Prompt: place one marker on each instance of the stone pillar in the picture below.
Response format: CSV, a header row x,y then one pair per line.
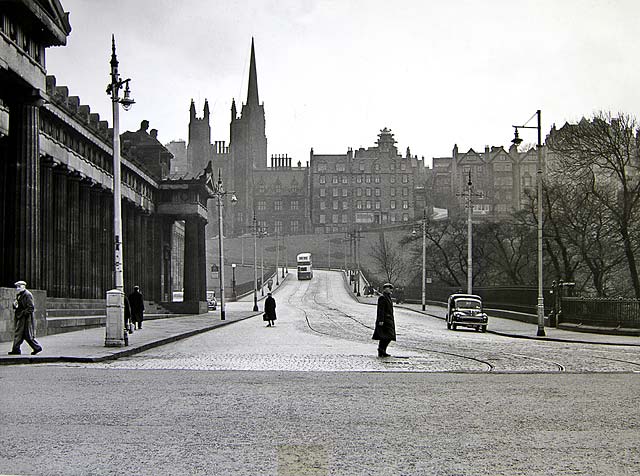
x,y
24,124
194,260
60,285
84,241
107,279
139,252
95,251
47,236
73,237
165,227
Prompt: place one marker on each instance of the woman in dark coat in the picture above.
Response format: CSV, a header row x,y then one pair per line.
x,y
136,301
269,310
385,330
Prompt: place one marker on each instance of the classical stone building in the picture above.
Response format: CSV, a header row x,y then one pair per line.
x,y
56,182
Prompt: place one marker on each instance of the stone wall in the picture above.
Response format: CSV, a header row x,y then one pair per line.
x,y
7,296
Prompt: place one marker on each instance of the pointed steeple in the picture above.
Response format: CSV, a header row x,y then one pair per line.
x,y
206,109
234,112
192,110
252,93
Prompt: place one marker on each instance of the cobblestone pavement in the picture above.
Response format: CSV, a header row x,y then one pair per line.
x,y
321,328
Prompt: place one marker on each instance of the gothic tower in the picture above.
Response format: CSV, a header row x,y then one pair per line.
x,y
247,147
199,148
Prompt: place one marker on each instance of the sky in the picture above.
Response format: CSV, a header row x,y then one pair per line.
x,y
333,73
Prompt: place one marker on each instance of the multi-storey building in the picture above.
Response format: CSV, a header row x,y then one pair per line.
x,y
499,179
368,187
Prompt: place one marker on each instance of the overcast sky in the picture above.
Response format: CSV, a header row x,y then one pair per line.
x,y
332,73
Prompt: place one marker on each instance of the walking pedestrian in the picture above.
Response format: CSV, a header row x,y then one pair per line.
x,y
24,320
128,326
136,301
270,310
385,330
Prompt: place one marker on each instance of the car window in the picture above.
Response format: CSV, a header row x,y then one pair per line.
x,y
467,304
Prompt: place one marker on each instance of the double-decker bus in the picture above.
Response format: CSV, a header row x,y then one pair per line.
x,y
305,267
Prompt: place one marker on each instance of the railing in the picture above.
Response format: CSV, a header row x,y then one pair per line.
x,y
601,312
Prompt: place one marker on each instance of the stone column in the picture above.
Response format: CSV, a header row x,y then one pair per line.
x,y
24,124
138,257
60,232
47,236
73,238
194,284
95,251
107,279
84,240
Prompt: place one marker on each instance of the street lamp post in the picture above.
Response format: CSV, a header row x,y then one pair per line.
x,y
233,282
255,263
277,258
115,333
219,193
423,226
469,238
263,234
517,141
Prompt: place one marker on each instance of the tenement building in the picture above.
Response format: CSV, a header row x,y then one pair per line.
x,y
56,182
500,179
369,187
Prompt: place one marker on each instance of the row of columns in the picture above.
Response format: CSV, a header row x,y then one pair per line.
x,y
56,227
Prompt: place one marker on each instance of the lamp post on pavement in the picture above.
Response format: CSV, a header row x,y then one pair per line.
x,y
115,333
255,263
277,258
263,234
233,282
517,141
219,193
423,226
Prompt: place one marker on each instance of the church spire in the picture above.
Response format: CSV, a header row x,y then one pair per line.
x,y
206,109
234,113
192,110
252,93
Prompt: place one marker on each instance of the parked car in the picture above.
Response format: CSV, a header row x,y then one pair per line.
x,y
466,310
212,302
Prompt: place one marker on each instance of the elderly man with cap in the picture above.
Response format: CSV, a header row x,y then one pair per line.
x,y
385,330
24,320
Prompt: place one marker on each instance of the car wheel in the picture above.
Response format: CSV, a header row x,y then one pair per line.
x,y
453,326
448,325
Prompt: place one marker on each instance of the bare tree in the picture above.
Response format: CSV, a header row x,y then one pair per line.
x,y
389,260
602,154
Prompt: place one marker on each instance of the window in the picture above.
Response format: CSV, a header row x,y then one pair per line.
x,y
361,166
261,188
376,179
322,167
405,217
345,205
359,204
405,204
392,167
344,218
377,192
322,218
405,179
277,205
405,192
294,188
377,204
335,192
392,205
295,226
335,179
359,179
323,205
323,192
277,227
262,205
368,204
367,178
278,188
376,167
345,179
368,192
392,179
344,192
336,204
393,192
295,205
358,192
340,167
322,179
335,218
403,166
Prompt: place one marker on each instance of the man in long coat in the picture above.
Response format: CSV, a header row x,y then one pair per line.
x,y
270,310
24,321
385,330
136,302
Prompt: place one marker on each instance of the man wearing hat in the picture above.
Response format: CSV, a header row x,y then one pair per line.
x,y
24,320
385,330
